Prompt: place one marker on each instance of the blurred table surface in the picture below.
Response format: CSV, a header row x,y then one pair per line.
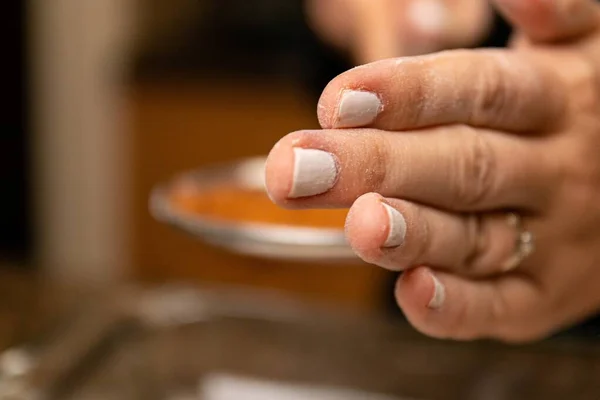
x,y
28,303
302,345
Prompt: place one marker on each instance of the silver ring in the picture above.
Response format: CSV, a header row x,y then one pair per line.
x,y
524,245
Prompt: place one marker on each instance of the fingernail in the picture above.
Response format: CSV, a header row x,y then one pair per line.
x,y
428,16
397,228
439,294
357,108
315,172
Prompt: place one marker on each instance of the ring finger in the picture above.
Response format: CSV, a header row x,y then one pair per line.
x,y
399,235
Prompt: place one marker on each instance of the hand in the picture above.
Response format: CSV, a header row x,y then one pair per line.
x,y
448,143
372,30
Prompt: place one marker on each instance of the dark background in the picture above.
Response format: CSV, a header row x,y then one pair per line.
x,y
15,219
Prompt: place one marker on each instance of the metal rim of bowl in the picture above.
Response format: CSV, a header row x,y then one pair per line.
x,y
254,239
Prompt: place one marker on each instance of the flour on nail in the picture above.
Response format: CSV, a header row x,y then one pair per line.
x,y
357,108
439,294
397,227
315,172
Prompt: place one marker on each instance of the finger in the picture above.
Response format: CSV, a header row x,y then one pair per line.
x,y
398,235
471,21
330,20
484,88
376,33
443,24
456,168
428,25
550,21
447,306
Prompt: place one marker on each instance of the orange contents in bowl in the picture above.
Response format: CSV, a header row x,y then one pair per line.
x,y
235,204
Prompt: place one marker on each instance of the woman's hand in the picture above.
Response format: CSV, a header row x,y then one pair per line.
x,y
447,145
372,30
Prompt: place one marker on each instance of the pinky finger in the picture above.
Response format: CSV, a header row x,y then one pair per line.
x,y
447,306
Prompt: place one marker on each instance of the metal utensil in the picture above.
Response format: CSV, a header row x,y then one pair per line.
x,y
254,239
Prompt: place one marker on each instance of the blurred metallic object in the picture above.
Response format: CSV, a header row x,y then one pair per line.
x,y
221,387
260,240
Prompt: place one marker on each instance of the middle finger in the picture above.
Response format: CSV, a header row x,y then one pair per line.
x,y
456,168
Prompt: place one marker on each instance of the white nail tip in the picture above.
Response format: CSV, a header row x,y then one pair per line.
x,y
439,294
315,172
428,16
397,228
357,108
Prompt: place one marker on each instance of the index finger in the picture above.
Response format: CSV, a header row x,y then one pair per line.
x,y
483,88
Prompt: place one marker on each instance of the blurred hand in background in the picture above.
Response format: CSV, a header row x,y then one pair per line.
x,y
372,30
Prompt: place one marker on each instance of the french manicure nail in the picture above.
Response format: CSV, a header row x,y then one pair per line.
x,y
315,172
397,227
439,293
357,108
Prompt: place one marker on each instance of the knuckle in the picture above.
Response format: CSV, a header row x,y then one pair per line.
x,y
476,170
375,176
496,318
498,309
579,178
422,237
585,200
492,95
419,97
500,324
462,326
585,165
584,78
477,243
516,326
510,324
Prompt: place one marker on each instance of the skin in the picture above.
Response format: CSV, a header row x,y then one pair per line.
x,y
464,136
372,30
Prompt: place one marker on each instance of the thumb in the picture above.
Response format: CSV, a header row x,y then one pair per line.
x,y
375,31
552,20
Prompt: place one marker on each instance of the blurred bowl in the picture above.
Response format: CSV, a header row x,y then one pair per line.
x,y
266,240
